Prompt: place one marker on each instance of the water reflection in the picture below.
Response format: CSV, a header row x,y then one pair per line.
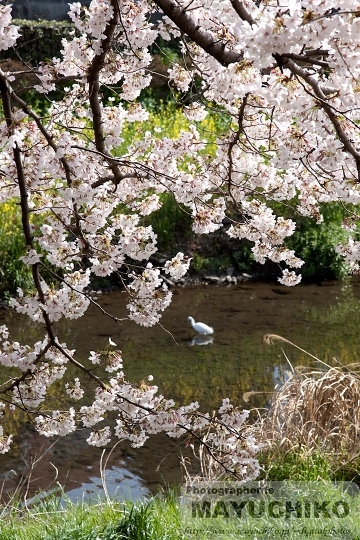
x,y
321,319
281,375
119,483
201,340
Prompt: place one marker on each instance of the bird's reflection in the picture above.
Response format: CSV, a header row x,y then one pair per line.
x,y
201,340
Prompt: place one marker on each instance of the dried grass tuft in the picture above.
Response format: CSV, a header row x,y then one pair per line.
x,y
315,410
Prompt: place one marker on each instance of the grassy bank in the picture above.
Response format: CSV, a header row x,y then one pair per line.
x,y
52,519
162,519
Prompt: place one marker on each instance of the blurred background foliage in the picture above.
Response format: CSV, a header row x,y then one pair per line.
x,y
13,273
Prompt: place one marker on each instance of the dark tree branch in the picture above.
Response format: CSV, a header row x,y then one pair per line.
x,y
206,41
106,179
316,52
242,11
93,78
322,98
306,58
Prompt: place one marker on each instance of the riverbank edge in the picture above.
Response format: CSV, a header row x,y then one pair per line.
x,y
225,279
228,279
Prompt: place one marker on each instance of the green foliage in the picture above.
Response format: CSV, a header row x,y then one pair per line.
x,y
200,263
171,223
169,51
40,103
213,264
13,273
243,258
315,243
216,252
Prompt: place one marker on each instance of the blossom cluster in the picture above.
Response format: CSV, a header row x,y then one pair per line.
x,y
285,76
149,296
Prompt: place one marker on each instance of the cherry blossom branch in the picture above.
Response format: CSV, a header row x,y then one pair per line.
x,y
117,320
203,443
15,383
323,101
24,106
79,365
24,201
94,89
242,11
146,169
206,41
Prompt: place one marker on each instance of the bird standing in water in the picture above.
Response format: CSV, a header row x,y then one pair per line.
x,y
201,328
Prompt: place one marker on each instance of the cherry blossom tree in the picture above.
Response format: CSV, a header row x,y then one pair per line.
x,y
286,74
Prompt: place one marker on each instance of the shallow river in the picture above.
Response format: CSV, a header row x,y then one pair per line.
x,y
322,319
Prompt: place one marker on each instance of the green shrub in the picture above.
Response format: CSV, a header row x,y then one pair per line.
x,y
315,244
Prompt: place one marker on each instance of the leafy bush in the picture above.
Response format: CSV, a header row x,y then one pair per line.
x,y
315,244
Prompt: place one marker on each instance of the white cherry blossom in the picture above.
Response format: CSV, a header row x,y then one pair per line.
x,y
285,78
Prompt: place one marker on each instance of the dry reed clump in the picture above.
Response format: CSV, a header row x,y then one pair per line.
x,y
315,410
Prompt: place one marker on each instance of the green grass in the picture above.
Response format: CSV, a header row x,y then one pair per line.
x,y
157,518
51,519
296,465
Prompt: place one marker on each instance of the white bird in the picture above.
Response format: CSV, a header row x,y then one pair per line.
x,y
201,328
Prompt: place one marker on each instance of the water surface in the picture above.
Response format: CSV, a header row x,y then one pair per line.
x,y
322,319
